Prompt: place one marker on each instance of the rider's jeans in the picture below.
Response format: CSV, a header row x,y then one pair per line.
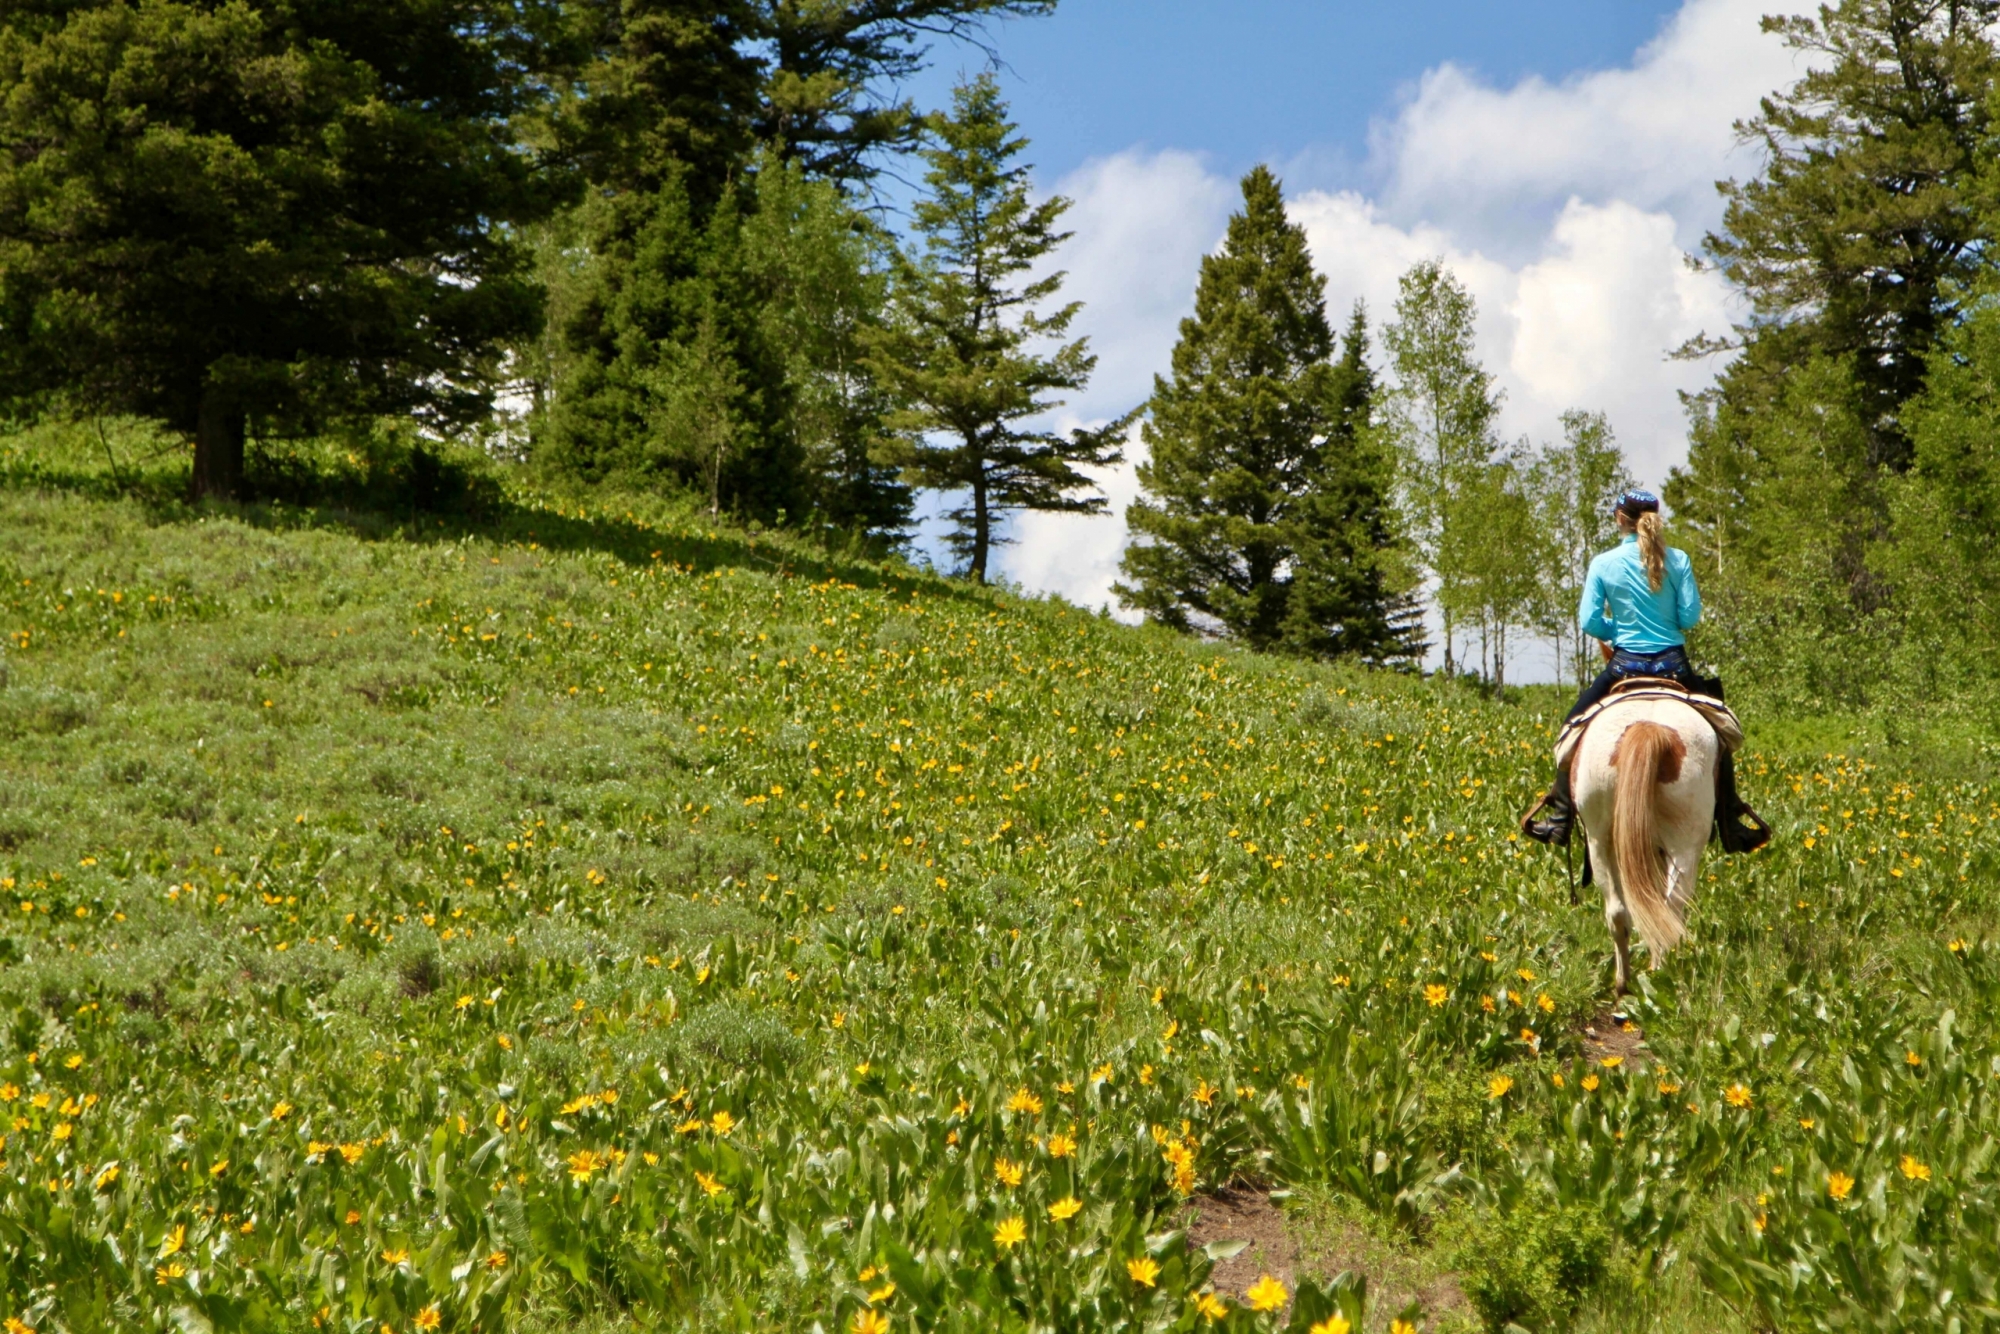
x,y
1672,663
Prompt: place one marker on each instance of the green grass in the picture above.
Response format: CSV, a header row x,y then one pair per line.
x,y
354,861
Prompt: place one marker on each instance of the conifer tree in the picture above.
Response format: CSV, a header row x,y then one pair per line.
x,y
1351,580
830,61
962,349
265,213
1264,515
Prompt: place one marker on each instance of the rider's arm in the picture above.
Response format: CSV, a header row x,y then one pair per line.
x,y
1590,612
1687,599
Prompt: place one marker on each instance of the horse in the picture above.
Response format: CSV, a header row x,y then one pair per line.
x,y
1644,777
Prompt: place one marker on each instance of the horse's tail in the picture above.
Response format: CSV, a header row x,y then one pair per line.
x,y
1648,755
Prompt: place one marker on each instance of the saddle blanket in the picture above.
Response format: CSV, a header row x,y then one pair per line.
x,y
1728,730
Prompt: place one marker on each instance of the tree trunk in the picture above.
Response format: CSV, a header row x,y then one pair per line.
x,y
218,447
982,527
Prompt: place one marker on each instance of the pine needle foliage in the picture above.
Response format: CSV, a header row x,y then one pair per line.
x,y
964,348
1265,513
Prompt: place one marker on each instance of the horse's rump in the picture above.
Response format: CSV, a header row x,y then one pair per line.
x,y
1644,777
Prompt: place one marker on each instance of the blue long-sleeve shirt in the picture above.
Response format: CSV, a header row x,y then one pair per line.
x,y
1621,607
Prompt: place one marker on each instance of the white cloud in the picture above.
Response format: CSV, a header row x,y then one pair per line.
x,y
1657,134
1565,208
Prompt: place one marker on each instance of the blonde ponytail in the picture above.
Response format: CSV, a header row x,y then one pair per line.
x,y
1652,548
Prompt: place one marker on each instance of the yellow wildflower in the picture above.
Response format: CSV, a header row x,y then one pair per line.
x,y
1145,1271
1007,1171
1333,1324
1499,1086
1736,1096
1435,994
1024,1101
1914,1170
1065,1209
1011,1232
1839,1185
1267,1294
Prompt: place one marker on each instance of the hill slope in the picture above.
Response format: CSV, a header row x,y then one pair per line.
x,y
574,913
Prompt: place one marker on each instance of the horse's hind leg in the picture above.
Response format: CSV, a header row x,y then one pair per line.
x,y
1620,924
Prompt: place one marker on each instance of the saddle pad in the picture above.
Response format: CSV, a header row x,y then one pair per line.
x,y
1728,731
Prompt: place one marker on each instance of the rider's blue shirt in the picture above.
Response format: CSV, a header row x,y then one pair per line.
x,y
1621,607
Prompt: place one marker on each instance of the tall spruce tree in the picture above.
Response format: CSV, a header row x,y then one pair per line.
x,y
962,350
825,101
264,211
1264,515
1351,580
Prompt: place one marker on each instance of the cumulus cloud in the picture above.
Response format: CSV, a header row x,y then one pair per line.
x,y
1656,134
1566,208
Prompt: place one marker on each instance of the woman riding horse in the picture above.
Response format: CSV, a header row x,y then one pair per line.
x,y
1640,599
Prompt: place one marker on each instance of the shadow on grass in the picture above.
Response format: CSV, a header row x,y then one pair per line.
x,y
462,499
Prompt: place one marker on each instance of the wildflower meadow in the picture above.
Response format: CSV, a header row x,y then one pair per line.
x,y
610,919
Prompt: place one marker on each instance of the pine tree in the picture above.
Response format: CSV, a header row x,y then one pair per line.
x,y
1265,513
961,350
1351,585
1857,236
263,213
1439,419
821,102
823,270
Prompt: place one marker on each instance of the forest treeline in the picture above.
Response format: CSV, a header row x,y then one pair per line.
x,y
644,243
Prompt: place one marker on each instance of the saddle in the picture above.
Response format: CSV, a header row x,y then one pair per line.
x,y
1728,731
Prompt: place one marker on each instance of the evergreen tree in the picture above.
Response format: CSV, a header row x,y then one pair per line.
x,y
660,270
263,210
1855,239
1351,593
961,349
1264,514
1234,437
821,101
659,93
823,272
1439,418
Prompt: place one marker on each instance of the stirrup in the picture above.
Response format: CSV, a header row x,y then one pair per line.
x,y
1736,836
1553,830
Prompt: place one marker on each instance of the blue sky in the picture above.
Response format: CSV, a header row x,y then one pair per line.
x,y
1293,82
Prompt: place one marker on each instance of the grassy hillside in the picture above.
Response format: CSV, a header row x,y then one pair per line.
x,y
609,919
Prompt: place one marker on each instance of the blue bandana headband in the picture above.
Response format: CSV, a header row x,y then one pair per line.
x,y
1636,501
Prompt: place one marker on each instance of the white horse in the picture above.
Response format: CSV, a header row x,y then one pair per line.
x,y
1644,777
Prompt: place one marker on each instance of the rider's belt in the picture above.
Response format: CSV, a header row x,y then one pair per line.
x,y
1728,731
